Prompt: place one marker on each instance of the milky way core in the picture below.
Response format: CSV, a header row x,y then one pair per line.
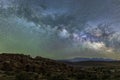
x,y
61,29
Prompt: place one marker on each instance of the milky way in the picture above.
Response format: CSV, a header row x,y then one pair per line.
x,y
60,28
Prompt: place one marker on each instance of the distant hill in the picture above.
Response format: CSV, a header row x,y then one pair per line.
x,y
91,62
87,59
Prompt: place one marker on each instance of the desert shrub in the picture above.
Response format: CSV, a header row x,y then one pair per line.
x,y
57,77
6,66
22,76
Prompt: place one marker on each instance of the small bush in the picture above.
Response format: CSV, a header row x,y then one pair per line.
x,y
22,76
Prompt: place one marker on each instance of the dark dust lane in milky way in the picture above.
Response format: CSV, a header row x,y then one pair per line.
x,y
61,28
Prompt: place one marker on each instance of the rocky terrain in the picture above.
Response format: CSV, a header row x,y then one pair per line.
x,y
24,67
44,69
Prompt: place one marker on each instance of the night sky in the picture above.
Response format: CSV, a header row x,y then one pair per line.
x,y
61,29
